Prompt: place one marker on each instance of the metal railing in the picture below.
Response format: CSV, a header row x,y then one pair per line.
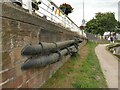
x,y
52,12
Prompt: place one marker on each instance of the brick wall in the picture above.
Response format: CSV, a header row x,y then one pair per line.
x,y
19,28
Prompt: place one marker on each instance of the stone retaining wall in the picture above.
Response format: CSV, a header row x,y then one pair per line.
x,y
19,28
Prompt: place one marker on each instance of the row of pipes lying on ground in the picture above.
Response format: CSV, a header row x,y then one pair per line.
x,y
44,53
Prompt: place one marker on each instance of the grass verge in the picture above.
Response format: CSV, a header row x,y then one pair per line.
x,y
81,71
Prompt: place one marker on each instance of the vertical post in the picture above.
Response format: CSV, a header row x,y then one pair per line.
x,y
51,16
49,3
83,21
82,32
30,6
69,23
65,20
83,9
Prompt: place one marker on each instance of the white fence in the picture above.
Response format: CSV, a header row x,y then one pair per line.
x,y
51,11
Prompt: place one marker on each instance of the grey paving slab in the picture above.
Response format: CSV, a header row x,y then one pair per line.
x,y
109,65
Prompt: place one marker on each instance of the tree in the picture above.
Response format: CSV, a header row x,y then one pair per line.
x,y
118,25
66,8
102,22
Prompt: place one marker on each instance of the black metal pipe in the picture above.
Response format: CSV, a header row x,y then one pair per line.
x,y
45,60
47,47
37,49
65,43
31,50
73,49
42,61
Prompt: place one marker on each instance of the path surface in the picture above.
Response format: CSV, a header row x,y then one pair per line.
x,y
109,65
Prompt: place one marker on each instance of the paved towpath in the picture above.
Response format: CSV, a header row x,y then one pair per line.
x,y
109,65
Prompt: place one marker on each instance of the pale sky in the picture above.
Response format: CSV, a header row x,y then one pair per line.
x,y
91,7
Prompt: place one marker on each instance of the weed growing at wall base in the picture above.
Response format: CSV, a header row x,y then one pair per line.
x,y
90,74
81,71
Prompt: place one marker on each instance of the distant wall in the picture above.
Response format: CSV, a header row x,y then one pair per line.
x,y
96,38
118,37
19,28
